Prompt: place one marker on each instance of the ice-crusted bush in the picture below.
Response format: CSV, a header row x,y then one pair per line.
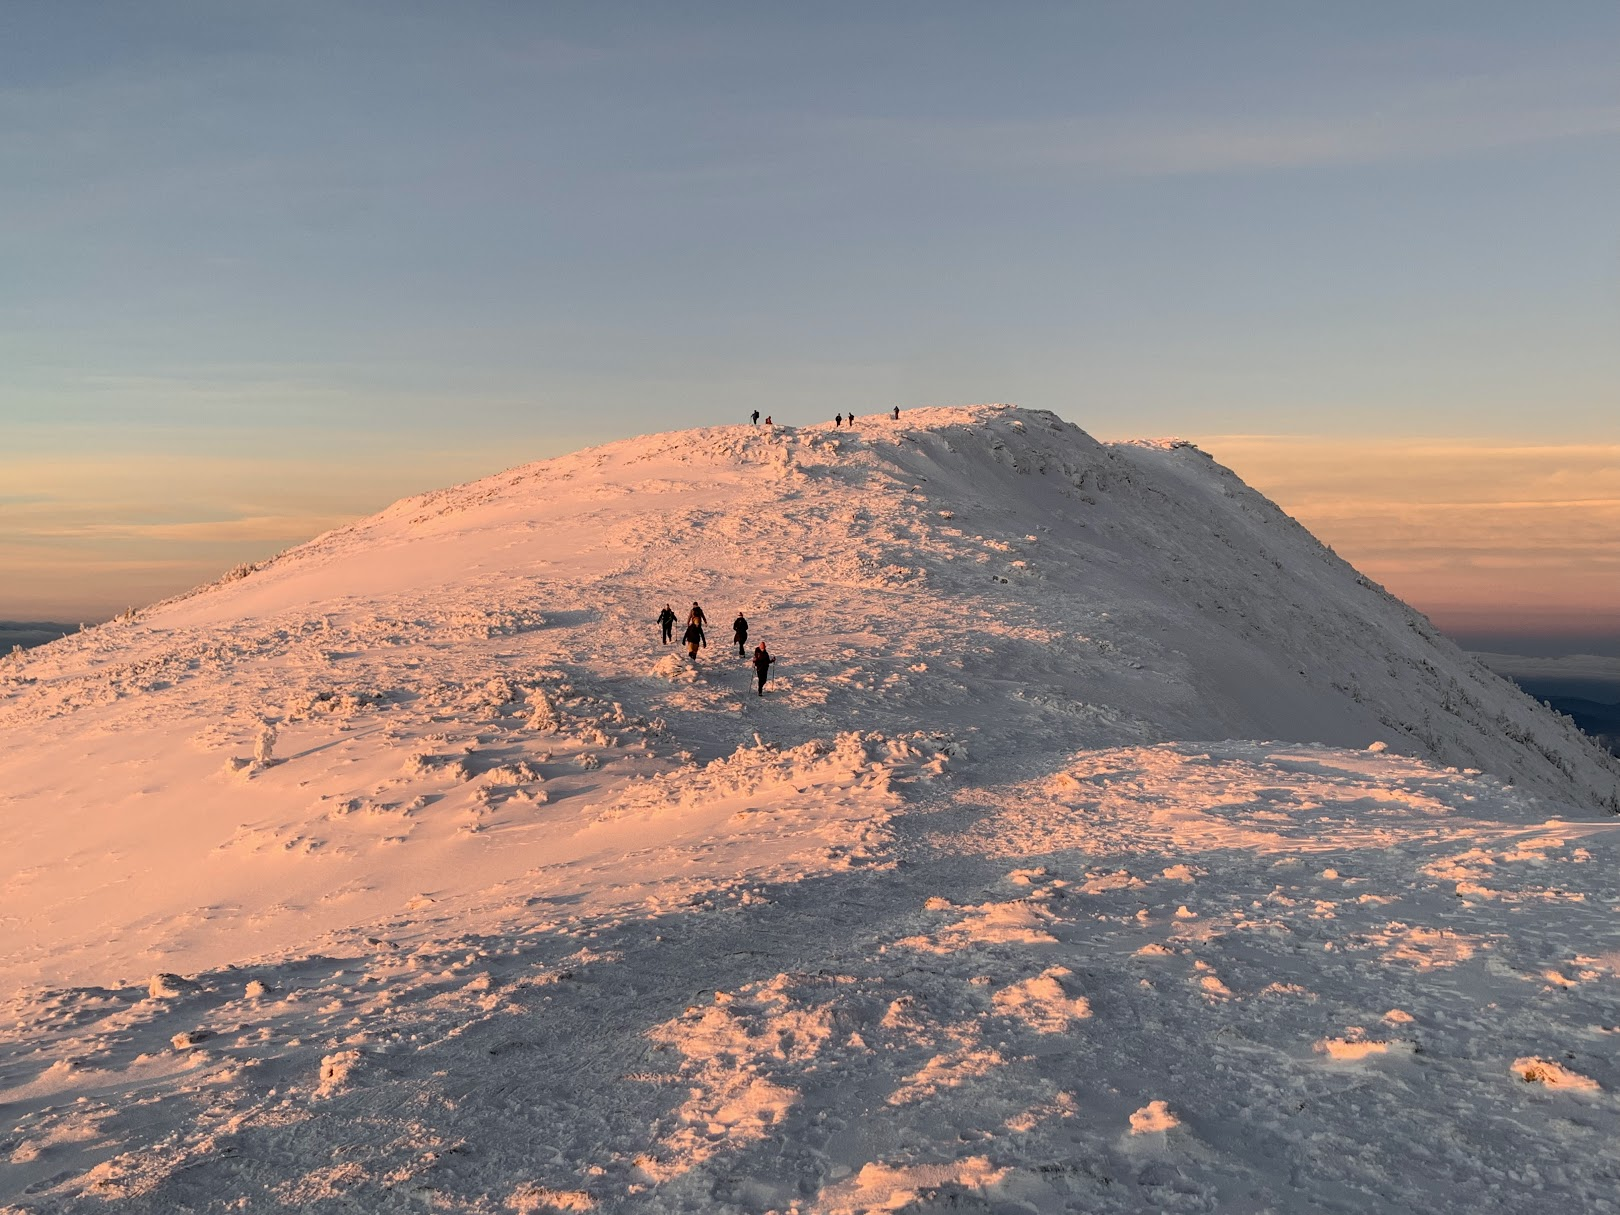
x,y
337,704
264,747
498,692
542,714
519,772
425,763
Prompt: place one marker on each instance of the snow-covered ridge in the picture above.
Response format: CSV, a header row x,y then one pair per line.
x,y
1140,590
1072,750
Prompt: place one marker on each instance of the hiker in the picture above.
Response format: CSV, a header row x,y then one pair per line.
x,y
897,413
693,638
838,419
755,416
739,633
696,616
666,621
762,666
767,419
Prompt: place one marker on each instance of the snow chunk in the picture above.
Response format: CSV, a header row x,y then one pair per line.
x,y
166,986
1153,1117
533,1199
1015,923
675,669
1533,1070
336,1071
1352,1050
885,1187
1041,1003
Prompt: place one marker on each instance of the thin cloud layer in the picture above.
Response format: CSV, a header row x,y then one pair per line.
x,y
1454,526
1180,145
91,534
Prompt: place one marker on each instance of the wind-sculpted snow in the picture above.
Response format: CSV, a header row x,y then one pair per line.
x,y
409,871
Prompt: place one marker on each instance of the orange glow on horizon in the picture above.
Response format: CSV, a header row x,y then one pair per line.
x,y
1477,535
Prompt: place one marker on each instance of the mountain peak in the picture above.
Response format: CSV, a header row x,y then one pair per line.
x,y
420,835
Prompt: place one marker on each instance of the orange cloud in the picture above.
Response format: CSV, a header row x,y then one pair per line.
x,y
1493,532
88,534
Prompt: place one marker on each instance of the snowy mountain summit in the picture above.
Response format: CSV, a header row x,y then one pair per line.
x,y
1100,841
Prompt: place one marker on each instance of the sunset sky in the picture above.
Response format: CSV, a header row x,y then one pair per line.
x,y
271,265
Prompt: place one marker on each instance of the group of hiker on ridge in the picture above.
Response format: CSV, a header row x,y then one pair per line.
x,y
838,418
694,637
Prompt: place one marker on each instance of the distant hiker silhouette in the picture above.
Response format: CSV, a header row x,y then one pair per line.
x,y
756,417
897,413
696,616
693,637
739,632
767,419
762,666
838,419
666,621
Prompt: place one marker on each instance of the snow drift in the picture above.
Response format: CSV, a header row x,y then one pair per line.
x,y
1101,839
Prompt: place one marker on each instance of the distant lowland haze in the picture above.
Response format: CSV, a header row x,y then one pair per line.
x,y
27,633
272,267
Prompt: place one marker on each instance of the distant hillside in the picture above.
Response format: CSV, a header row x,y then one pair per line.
x,y
1601,721
1585,687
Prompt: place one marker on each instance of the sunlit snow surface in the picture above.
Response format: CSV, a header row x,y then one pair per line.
x,y
411,872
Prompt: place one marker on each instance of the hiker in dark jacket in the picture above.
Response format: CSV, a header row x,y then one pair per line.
x,y
739,633
666,621
693,638
762,666
696,616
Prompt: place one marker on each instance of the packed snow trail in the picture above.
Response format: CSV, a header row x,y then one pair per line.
x,y
412,869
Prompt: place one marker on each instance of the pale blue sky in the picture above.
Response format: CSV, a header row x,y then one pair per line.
x,y
372,248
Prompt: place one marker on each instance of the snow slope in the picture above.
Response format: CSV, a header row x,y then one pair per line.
x,y
1052,872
